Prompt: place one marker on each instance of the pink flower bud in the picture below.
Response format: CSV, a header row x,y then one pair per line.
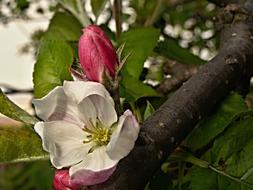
x,y
96,54
62,181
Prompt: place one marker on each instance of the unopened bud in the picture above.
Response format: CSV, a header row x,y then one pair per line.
x,y
96,54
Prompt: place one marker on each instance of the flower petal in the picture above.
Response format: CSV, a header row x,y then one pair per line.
x,y
88,177
56,106
79,90
64,142
123,138
62,181
100,100
95,161
105,112
87,111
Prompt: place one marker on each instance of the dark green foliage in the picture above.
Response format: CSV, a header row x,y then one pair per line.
x,y
230,109
28,176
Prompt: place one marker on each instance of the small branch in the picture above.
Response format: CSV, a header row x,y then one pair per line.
x,y
117,10
114,92
150,21
11,90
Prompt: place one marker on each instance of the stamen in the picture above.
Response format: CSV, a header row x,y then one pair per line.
x,y
99,134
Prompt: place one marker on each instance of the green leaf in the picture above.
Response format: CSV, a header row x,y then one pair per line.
x,y
52,66
231,155
98,6
203,179
135,40
230,109
133,89
149,110
19,144
240,164
139,42
69,3
76,8
11,110
237,136
63,26
171,49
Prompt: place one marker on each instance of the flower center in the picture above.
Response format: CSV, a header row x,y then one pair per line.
x,y
98,134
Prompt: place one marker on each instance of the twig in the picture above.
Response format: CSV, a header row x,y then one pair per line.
x,y
117,9
11,90
150,21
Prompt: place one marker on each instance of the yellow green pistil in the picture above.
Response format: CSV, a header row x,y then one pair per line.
x,y
98,134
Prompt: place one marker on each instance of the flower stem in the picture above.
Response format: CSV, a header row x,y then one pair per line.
x,y
113,89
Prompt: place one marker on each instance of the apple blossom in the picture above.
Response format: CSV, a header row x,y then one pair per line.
x,y
96,54
81,131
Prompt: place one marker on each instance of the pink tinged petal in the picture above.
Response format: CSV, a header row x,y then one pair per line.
x,y
62,181
56,106
90,59
107,58
88,177
63,141
96,161
97,30
123,138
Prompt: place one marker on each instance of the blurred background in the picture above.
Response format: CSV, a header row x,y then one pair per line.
x,y
18,22
189,25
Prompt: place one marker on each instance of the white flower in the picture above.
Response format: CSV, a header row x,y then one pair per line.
x,y
81,131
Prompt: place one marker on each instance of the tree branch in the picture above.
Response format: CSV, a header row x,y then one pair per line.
x,y
179,72
172,122
246,4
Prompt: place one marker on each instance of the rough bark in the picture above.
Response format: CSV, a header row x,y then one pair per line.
x,y
170,124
